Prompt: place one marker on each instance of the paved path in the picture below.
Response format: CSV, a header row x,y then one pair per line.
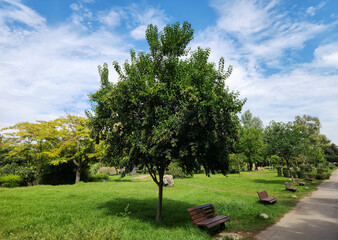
x,y
314,217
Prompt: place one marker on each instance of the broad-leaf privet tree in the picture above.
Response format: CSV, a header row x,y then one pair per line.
x,y
167,105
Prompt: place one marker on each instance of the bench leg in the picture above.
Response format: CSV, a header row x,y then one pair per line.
x,y
222,225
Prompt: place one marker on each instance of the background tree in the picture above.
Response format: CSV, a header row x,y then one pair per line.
x,y
313,147
76,144
249,121
331,152
33,145
284,140
44,143
251,145
167,106
274,160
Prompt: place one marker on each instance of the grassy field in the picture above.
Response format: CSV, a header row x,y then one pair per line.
x,y
125,208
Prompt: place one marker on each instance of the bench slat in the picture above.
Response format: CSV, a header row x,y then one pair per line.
x,y
199,207
210,213
205,215
211,222
201,210
263,196
197,221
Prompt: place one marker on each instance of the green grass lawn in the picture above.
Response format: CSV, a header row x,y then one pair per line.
x,y
125,208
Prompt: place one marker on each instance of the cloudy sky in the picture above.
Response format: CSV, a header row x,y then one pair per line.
x,y
284,53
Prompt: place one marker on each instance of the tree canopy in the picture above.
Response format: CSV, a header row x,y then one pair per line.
x,y
38,145
168,105
285,140
249,121
251,145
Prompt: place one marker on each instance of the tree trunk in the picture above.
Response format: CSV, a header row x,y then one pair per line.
x,y
78,175
160,196
291,175
250,165
78,171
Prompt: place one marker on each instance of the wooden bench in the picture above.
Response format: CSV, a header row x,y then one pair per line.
x,y
299,182
263,196
288,187
205,216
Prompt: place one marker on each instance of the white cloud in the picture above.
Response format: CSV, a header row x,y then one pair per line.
x,y
17,12
252,35
139,32
327,55
45,71
312,10
243,17
142,18
112,18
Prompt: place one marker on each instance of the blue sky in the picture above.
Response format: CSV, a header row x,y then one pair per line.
x,y
284,53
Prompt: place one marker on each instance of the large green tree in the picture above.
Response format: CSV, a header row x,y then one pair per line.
x,y
168,105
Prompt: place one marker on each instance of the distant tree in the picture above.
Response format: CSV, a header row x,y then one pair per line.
x,y
251,145
76,145
167,106
331,152
52,143
308,124
274,160
249,121
316,143
33,144
284,140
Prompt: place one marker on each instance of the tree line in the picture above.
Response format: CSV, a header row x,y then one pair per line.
x,y
292,144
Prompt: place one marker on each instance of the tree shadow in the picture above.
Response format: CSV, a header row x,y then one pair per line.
x,y
264,181
120,180
174,213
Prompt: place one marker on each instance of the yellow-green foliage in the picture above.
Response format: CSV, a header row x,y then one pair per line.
x,y
10,180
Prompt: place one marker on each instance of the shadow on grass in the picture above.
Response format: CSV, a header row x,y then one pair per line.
x,y
264,181
120,180
174,213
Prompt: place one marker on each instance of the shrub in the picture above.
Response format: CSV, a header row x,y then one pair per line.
x,y
11,180
294,172
59,174
286,172
94,169
99,178
176,171
27,173
323,175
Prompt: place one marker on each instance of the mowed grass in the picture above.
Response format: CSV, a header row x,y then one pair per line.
x,y
125,208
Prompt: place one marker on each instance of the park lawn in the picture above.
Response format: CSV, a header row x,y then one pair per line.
x,y
125,208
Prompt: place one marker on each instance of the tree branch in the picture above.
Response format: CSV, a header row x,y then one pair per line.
x,y
76,163
152,173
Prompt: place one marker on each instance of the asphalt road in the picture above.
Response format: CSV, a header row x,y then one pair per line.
x,y
315,217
